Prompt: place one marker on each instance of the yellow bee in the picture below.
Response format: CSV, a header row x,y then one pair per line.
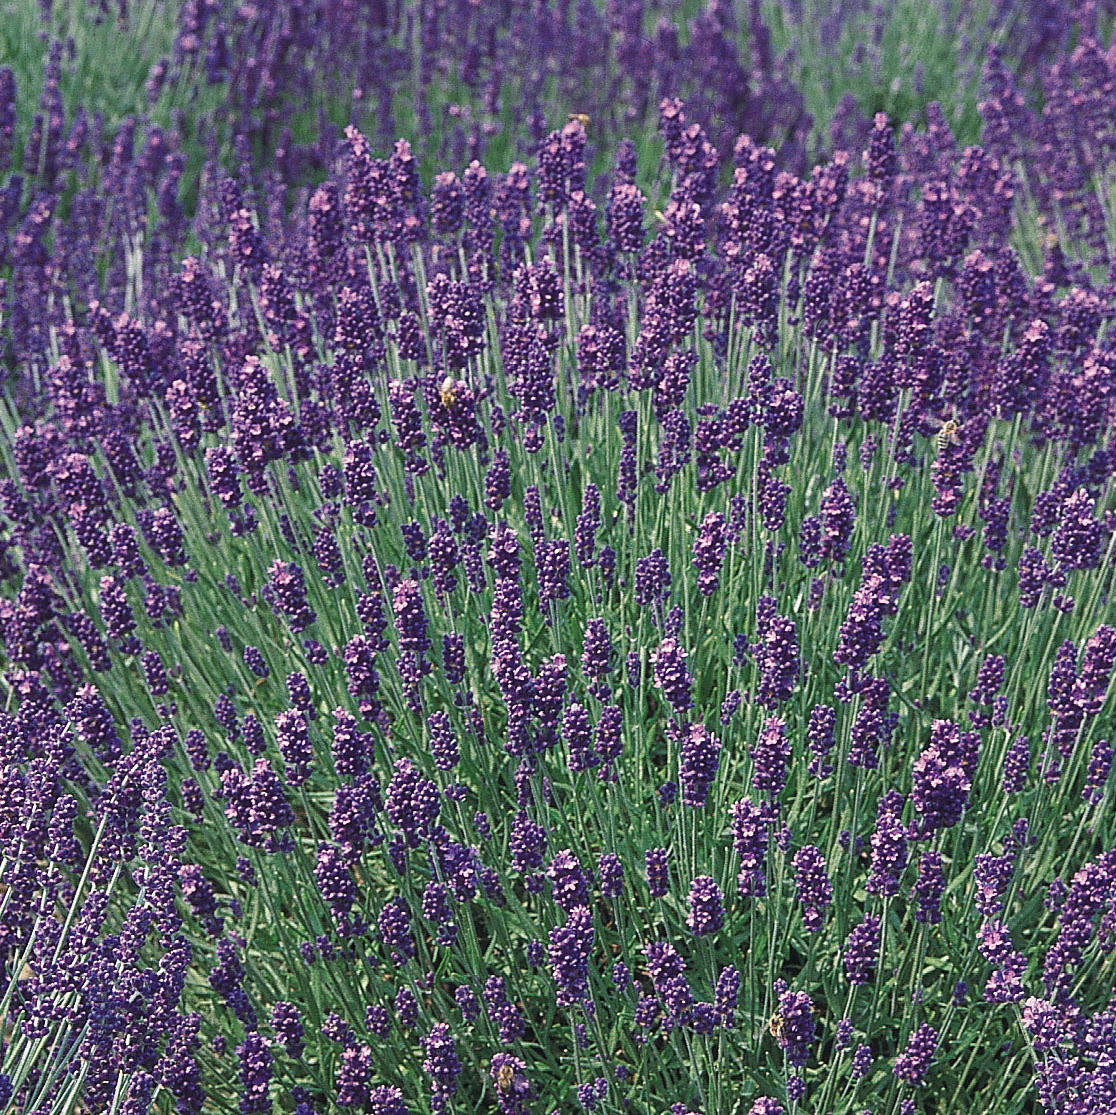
x,y
777,1025
581,118
448,392
505,1077
948,434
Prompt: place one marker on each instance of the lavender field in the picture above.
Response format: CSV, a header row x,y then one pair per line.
x,y
557,557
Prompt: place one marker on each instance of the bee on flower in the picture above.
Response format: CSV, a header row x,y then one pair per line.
x,y
448,391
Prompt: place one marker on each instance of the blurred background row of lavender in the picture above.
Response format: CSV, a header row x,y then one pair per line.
x,y
149,103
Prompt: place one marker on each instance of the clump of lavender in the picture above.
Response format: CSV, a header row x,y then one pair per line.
x,y
616,537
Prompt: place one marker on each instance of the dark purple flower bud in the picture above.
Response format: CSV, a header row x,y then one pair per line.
x,y
552,560
610,871
889,849
526,843
95,725
880,160
706,911
335,883
992,875
501,1012
775,654
929,888
672,676
538,289
1100,767
570,947
667,971
862,1062
327,553
1079,539
568,883
442,1063
815,891
796,1024
770,754
1017,764
1091,685
709,550
410,618
820,732
443,742
453,658
394,924
596,649
353,1077
652,579
838,517
990,679
125,550
730,706
862,951
1021,376
254,660
624,218
942,776
155,673
561,166
657,863
412,803
286,1021
287,593
1005,984
578,734
698,765
912,1064
444,557
256,1065
447,204
467,1003
1044,1023
359,658
750,837
293,738
407,422
674,449
384,1100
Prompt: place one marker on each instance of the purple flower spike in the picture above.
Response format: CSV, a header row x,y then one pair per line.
x,y
815,891
862,950
912,1064
706,912
793,1025
700,761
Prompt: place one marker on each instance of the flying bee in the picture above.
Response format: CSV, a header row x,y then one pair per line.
x,y
776,1025
581,118
448,392
949,432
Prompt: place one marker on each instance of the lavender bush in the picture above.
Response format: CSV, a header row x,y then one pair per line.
x,y
491,642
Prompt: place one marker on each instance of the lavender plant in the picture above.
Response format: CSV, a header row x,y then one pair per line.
x,y
497,644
